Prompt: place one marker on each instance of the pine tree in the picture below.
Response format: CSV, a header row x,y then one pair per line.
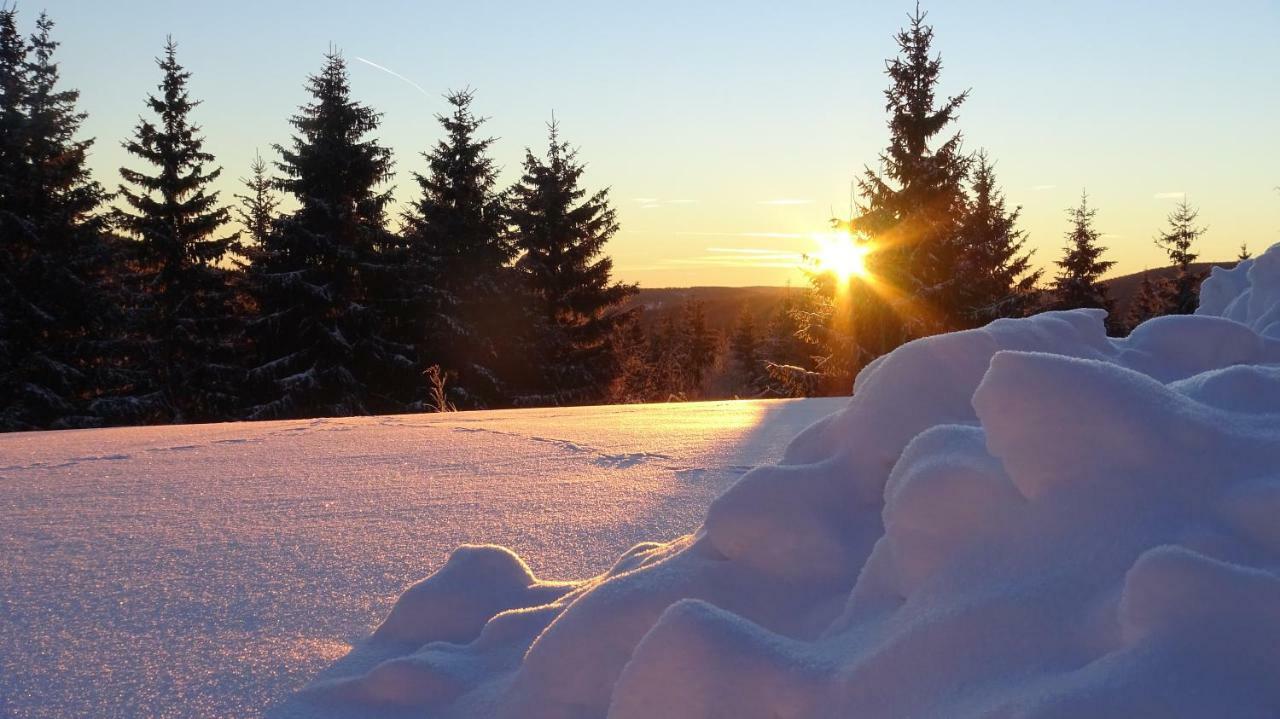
x,y
997,277
788,359
912,208
462,304
561,233
1244,253
55,302
1152,300
1077,283
696,345
184,330
1184,291
259,208
745,350
319,341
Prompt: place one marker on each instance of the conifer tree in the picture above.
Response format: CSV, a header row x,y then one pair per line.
x,y
258,208
1151,301
463,312
561,232
184,330
1184,290
319,341
1081,268
55,302
912,207
697,344
788,357
1244,253
997,279
745,350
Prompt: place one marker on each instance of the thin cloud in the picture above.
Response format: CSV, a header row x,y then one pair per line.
x,y
787,201
646,200
757,235
751,251
393,73
1169,195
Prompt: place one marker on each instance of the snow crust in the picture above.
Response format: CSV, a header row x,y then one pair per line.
x,y
1028,520
213,570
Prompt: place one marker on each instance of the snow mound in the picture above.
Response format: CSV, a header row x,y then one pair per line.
x,y
1027,520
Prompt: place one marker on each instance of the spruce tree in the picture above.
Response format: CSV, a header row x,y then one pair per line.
x,y
912,207
1244,253
745,349
1151,301
697,344
258,208
184,329
1184,291
463,312
561,232
997,279
1081,268
319,341
55,300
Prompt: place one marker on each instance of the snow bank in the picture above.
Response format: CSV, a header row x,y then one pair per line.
x,y
1025,520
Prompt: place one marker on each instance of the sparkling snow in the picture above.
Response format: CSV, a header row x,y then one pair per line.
x,y
1029,520
210,571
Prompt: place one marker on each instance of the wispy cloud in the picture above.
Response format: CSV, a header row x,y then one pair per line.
x,y
740,257
393,73
752,251
1044,188
1169,195
757,235
787,201
650,203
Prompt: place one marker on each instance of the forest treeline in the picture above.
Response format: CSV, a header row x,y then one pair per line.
x,y
309,294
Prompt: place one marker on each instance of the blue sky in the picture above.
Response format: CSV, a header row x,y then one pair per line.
x,y
723,127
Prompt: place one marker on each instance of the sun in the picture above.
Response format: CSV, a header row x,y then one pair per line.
x,y
839,254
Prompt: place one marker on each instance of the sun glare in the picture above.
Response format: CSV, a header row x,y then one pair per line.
x,y
839,254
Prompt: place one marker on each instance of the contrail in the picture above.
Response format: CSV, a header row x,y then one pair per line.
x,y
393,73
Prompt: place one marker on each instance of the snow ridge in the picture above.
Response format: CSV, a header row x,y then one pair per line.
x,y
1027,520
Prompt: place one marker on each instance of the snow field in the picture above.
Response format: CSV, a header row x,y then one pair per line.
x,y
1028,520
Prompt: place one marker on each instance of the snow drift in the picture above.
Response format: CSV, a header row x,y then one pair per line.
x,y
1025,520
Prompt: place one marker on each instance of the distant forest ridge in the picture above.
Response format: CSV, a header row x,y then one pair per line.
x,y
723,304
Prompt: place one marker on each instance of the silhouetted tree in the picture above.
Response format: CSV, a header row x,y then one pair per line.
x,y
696,344
1152,300
745,350
462,297
1184,290
259,207
788,357
997,279
1244,253
319,339
913,206
1078,283
55,302
185,336
561,233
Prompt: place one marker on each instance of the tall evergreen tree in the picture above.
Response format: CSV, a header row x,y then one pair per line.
x,y
1184,291
913,206
997,279
259,207
463,313
1151,301
745,349
696,345
184,330
1081,268
55,302
319,341
561,233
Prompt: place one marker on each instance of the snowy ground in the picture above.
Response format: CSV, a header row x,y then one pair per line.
x,y
210,571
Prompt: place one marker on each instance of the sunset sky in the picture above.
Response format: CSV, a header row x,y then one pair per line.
x,y
729,132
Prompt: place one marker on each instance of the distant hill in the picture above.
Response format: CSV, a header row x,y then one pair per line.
x,y
1125,287
722,304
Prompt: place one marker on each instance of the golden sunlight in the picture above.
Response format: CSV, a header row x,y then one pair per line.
x,y
839,254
